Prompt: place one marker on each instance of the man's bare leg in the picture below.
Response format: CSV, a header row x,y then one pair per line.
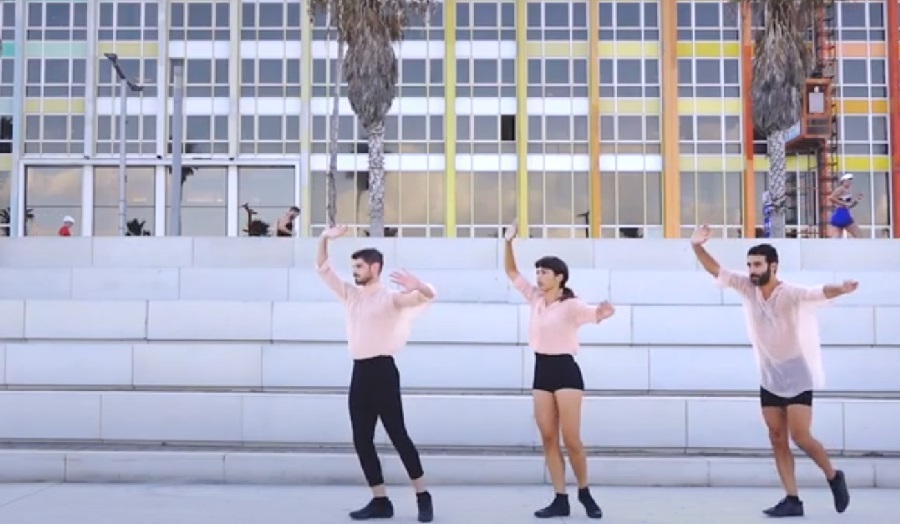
x,y
776,422
799,419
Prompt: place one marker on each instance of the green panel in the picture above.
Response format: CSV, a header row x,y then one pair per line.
x,y
6,106
56,49
8,50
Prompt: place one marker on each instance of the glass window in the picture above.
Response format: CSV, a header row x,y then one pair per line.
x,y
140,198
558,204
485,21
485,203
265,194
204,196
128,21
52,193
199,21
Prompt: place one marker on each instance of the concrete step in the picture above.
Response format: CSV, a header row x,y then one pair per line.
x,y
235,466
433,253
446,421
442,323
623,287
461,369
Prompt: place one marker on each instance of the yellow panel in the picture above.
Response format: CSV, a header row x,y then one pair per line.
x,y
865,163
629,49
710,106
647,106
76,106
33,105
450,119
557,49
129,49
710,163
6,163
880,107
731,49
521,120
864,107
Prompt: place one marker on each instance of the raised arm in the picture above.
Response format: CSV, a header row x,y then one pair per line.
x,y
700,236
724,278
528,292
323,266
509,257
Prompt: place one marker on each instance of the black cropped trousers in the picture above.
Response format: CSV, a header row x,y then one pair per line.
x,y
375,394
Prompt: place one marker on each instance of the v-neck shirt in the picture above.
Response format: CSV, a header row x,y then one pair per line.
x,y
784,332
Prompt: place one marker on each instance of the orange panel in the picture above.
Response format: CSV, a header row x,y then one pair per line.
x,y
749,179
893,37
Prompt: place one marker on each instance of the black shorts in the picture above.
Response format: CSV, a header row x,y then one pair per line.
x,y
555,372
770,400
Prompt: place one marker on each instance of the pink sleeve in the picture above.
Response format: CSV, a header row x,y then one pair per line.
x,y
335,284
739,283
413,298
814,296
528,292
583,313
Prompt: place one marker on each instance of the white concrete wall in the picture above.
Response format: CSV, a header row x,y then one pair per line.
x,y
425,367
433,420
421,253
442,323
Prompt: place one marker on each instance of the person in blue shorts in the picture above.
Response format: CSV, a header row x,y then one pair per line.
x,y
843,201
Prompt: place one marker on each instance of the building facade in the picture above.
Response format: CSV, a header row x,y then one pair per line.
x,y
582,118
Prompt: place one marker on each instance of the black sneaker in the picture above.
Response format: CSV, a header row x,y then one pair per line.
x,y
839,489
788,507
590,505
558,508
426,506
377,508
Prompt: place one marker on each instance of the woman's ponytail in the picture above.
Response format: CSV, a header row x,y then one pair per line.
x,y
566,294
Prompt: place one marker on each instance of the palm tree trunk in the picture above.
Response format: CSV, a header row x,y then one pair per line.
x,y
330,188
376,180
777,182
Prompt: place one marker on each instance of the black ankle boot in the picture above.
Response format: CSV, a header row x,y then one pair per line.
x,y
426,506
377,508
558,508
590,505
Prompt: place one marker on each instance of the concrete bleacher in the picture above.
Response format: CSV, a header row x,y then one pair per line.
x,y
236,344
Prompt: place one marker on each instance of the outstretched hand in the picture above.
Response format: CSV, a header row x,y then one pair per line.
x,y
605,310
335,232
406,280
511,231
849,286
701,235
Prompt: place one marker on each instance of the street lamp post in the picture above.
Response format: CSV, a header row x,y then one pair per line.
x,y
125,84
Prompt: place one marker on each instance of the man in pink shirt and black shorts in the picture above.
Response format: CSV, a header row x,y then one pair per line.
x,y
784,332
378,326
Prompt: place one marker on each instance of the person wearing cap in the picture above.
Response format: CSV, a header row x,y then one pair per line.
x,y
843,200
66,229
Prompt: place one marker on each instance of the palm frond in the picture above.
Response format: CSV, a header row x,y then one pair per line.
x,y
782,62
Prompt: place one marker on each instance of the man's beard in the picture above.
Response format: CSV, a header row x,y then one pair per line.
x,y
761,279
361,281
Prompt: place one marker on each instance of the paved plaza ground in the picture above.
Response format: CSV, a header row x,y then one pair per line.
x,y
236,504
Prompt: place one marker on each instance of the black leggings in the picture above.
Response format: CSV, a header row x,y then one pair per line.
x,y
374,393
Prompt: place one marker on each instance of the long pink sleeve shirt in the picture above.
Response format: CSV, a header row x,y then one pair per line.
x,y
379,320
784,333
553,328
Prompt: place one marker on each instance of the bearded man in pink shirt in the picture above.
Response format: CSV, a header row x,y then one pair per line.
x,y
784,332
558,386
378,326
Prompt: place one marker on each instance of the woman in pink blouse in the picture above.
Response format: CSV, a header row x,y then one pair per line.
x,y
558,388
